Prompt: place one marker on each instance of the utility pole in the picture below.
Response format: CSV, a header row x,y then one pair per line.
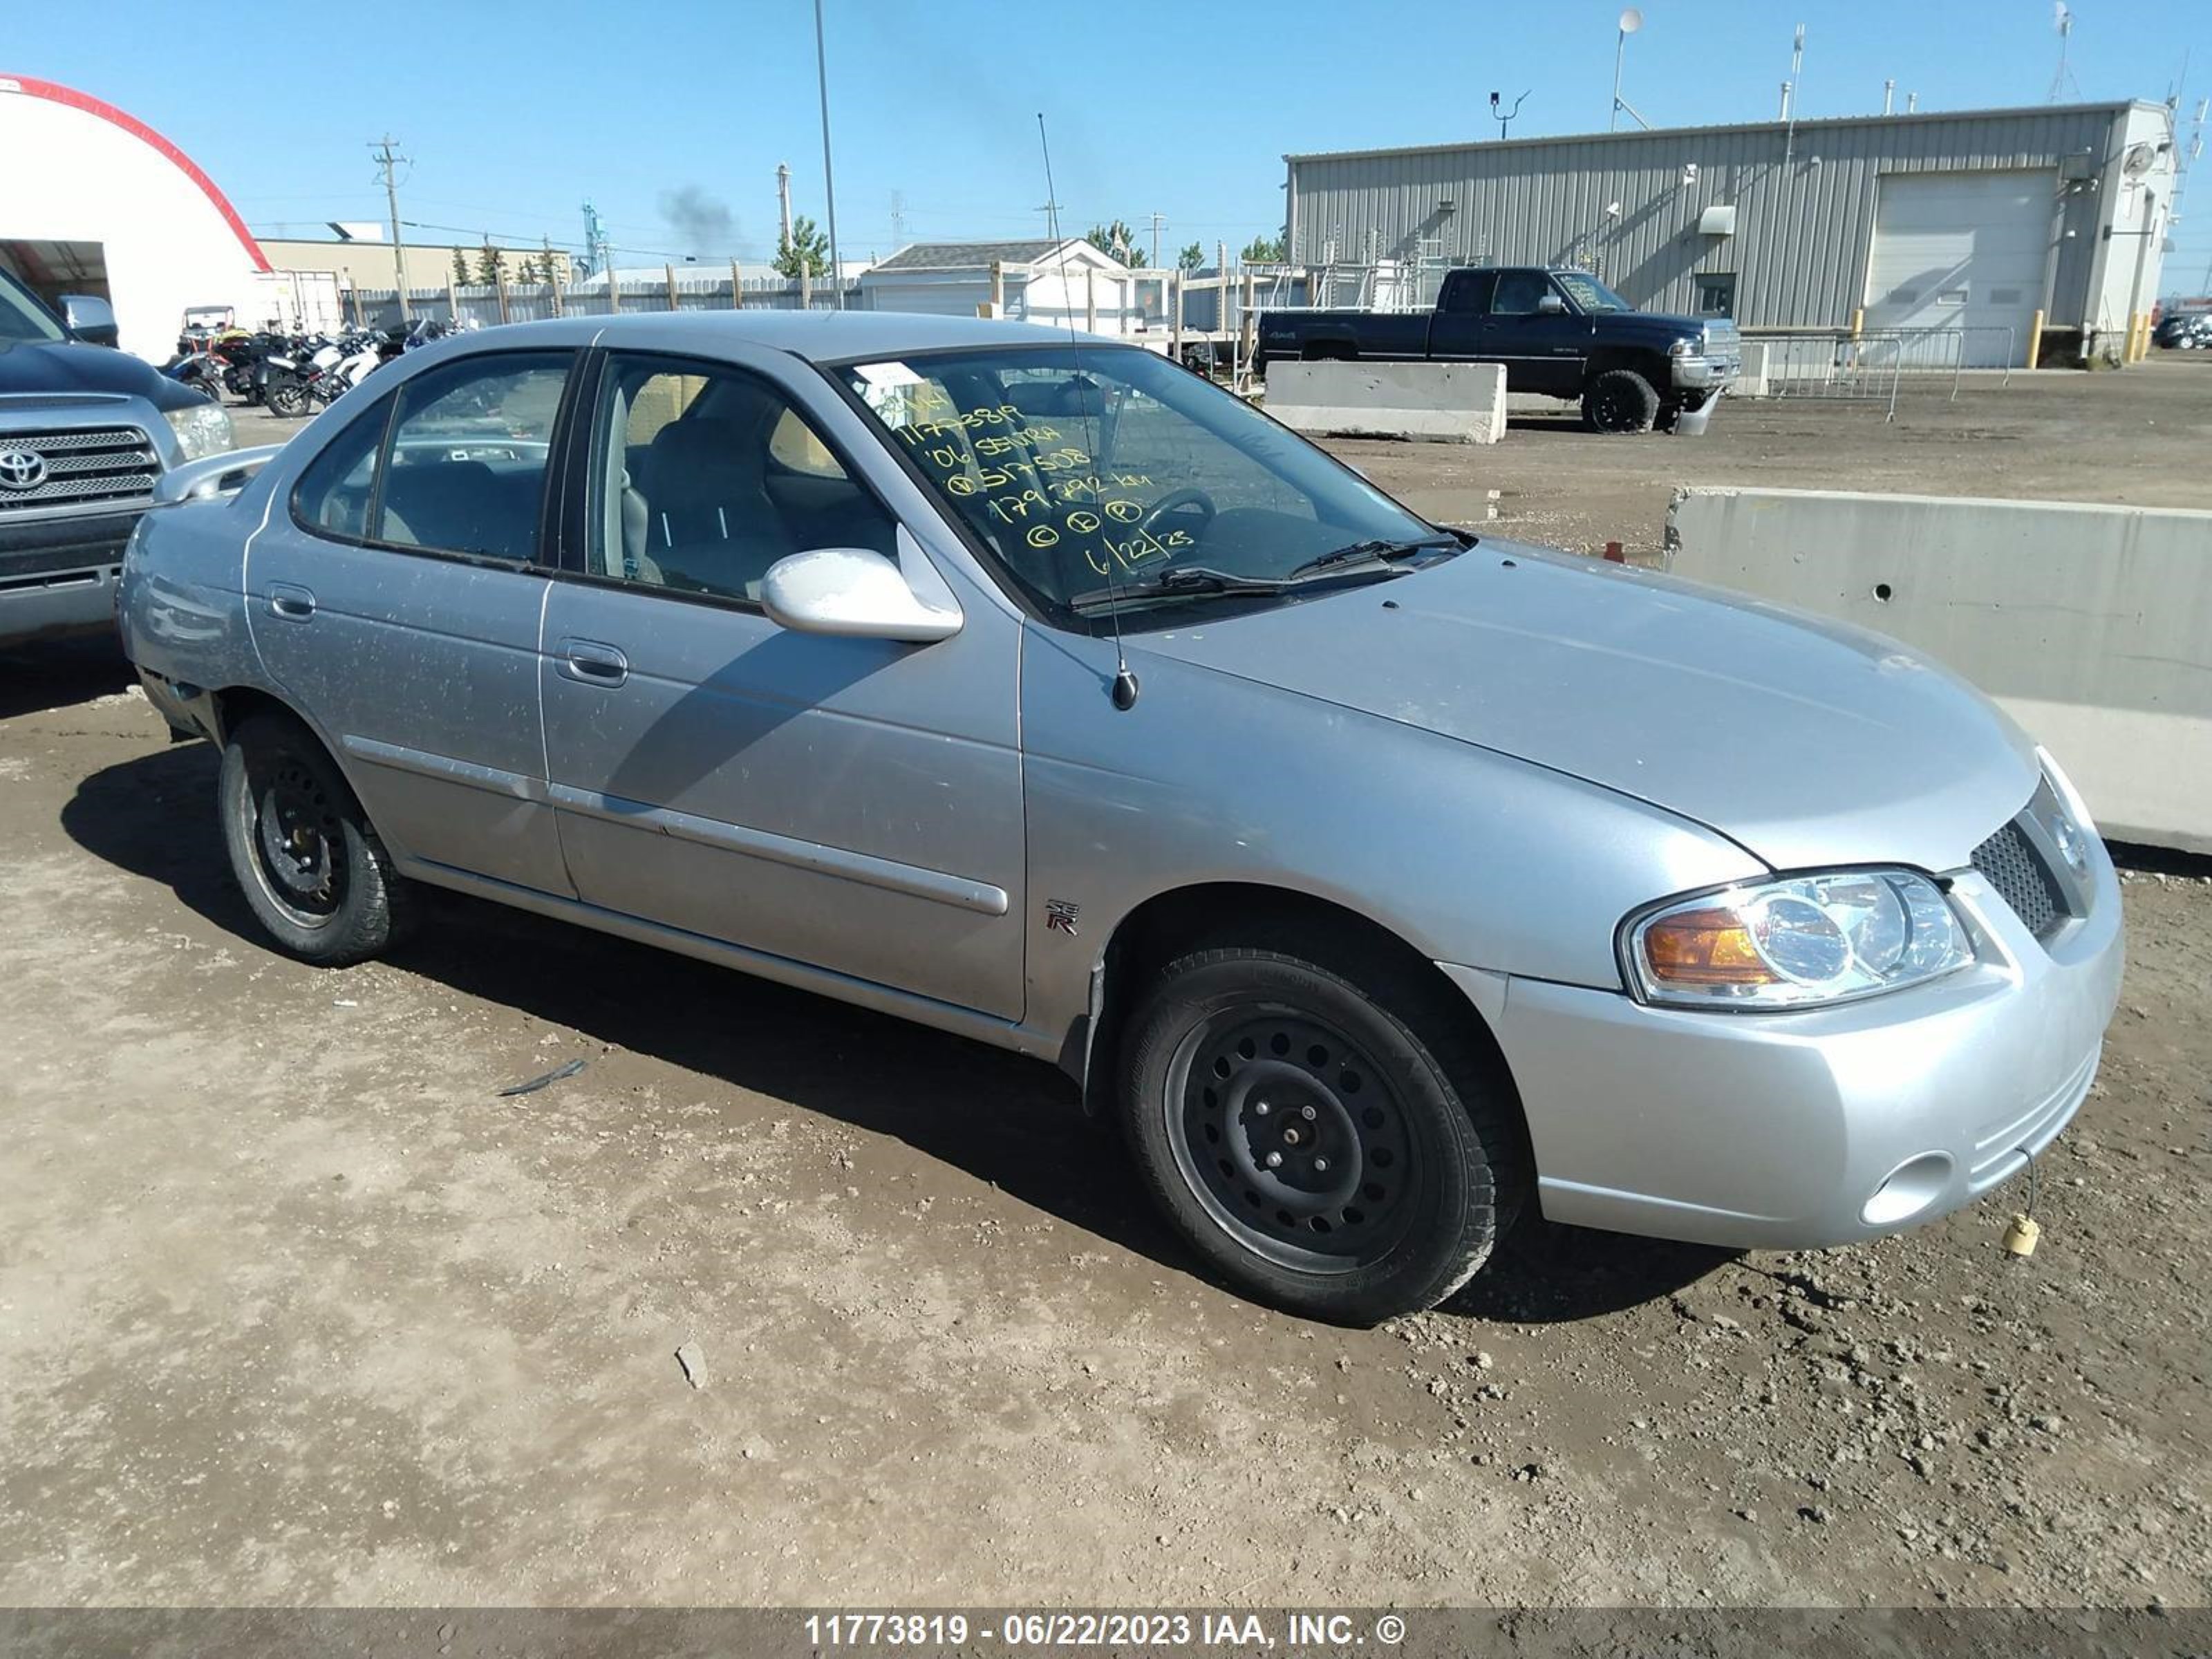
x,y
828,180
783,201
1158,220
389,160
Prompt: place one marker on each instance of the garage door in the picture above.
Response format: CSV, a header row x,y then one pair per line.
x,y
1962,252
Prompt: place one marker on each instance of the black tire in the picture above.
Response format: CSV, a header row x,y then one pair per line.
x,y
1363,1064
1619,400
287,398
303,852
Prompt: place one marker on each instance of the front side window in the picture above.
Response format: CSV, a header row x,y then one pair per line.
x,y
1519,293
704,475
1084,469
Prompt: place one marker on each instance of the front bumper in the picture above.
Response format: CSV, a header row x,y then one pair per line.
x,y
57,575
1703,373
1808,1129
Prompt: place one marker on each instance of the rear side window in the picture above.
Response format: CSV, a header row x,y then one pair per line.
x,y
460,466
335,492
465,470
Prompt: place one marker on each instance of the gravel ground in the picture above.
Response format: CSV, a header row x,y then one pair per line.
x,y
294,1308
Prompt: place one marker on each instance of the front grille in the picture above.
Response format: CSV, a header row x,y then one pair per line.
x,y
2008,862
106,465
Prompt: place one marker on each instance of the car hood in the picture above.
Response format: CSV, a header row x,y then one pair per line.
x,y
1807,743
74,369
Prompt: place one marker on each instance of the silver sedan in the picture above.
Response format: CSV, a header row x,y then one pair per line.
x,y
1383,880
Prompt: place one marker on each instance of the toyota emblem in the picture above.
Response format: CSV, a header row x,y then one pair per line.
x,y
22,469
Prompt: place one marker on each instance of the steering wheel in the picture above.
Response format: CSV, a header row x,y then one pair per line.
x,y
1173,500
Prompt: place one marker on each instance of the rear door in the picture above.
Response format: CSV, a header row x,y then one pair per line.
x,y
396,597
845,804
1455,329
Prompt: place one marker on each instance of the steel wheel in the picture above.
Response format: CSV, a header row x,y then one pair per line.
x,y
299,843
1293,1139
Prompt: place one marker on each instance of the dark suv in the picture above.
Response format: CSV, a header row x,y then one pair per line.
x,y
85,431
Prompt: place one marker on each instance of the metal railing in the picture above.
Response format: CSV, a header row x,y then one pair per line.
x,y
1870,366
484,303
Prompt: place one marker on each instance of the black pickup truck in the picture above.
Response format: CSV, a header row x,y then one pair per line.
x,y
1559,332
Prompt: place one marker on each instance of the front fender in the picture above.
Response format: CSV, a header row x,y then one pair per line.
x,y
1470,857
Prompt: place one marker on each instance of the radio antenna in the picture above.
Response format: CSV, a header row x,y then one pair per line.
x,y
1125,681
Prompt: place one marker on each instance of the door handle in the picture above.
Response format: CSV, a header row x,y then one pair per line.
x,y
591,662
293,603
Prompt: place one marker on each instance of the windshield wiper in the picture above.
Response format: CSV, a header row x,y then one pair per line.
x,y
1185,579
1381,551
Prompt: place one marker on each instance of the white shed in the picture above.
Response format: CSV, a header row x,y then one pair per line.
x,y
1056,283
120,212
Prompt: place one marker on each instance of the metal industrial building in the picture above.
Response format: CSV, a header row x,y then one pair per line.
x,y
1979,221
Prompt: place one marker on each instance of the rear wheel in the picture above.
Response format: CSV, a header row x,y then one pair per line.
x,y
1325,1141
287,398
1619,400
311,866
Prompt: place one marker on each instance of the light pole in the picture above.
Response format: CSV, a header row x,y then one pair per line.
x,y
829,182
1630,21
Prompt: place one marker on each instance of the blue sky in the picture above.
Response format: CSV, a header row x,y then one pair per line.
x,y
514,114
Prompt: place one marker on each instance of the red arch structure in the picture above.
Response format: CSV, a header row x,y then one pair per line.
x,y
71,97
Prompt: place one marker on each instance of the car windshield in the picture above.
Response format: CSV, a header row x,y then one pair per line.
x,y
22,318
1591,294
1105,478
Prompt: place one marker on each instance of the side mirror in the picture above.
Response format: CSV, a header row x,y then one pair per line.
x,y
851,592
90,319
1551,305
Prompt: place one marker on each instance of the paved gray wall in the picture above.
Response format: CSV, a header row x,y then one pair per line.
x,y
1803,233
2091,625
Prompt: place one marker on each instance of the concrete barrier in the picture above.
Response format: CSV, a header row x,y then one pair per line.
x,y
1750,376
1445,403
2091,625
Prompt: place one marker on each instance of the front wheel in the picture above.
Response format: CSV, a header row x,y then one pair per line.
x,y
1619,400
1330,1145
287,398
311,866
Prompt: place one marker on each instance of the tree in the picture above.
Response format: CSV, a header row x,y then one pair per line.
x,y
527,272
461,274
491,264
806,248
1192,258
1118,241
1265,251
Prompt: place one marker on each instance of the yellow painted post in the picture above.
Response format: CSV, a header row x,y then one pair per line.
x,y
1858,321
2035,341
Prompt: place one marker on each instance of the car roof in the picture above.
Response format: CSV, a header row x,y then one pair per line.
x,y
820,337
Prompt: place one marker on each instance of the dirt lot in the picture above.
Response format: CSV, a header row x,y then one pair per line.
x,y
2142,436
295,1308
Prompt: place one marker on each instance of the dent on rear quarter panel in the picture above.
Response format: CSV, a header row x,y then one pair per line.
x,y
183,600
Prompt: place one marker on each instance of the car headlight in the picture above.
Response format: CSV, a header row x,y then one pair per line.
x,y
1795,942
1688,346
201,429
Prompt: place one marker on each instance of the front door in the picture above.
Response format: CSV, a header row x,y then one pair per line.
x,y
846,804
396,599
1543,350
